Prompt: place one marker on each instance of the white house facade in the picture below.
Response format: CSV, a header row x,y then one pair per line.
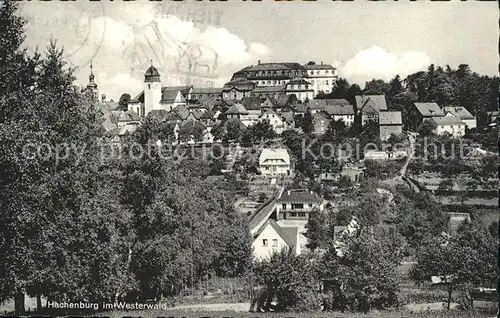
x,y
274,162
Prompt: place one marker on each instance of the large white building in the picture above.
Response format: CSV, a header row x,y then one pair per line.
x,y
322,77
266,78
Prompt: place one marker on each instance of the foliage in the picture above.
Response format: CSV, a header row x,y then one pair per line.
x,y
290,279
376,87
468,258
307,122
316,229
418,216
123,102
260,132
365,274
426,129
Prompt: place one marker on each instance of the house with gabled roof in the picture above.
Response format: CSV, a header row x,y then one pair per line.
x,y
390,123
271,238
461,113
237,89
286,102
450,125
269,103
298,205
288,120
274,162
274,119
426,111
252,105
337,109
239,111
369,106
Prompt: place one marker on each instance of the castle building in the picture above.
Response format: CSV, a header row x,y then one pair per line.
x,y
269,79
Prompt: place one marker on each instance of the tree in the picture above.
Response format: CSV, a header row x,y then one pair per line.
x,y
316,230
468,258
307,122
290,279
365,273
376,87
192,130
233,131
396,87
426,129
260,132
336,129
340,89
66,199
404,102
123,102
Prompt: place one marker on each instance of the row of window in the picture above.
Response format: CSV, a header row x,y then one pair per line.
x,y
278,73
459,127
318,72
296,206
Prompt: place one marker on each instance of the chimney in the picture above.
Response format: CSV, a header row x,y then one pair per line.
x,y
258,62
288,192
321,62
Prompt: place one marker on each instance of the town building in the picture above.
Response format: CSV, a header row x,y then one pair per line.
x,y
321,122
200,93
271,239
274,162
355,174
298,205
450,125
240,112
253,107
300,88
390,123
463,114
322,77
156,97
425,111
370,106
337,109
268,91
237,89
272,79
274,119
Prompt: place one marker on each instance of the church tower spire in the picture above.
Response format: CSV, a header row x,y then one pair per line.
x,y
92,86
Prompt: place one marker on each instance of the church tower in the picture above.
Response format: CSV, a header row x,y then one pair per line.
x,y
92,86
152,90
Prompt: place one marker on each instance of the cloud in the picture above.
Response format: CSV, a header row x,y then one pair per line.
x,y
376,62
122,43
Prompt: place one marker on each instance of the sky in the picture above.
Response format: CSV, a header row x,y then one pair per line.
x,y
363,39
